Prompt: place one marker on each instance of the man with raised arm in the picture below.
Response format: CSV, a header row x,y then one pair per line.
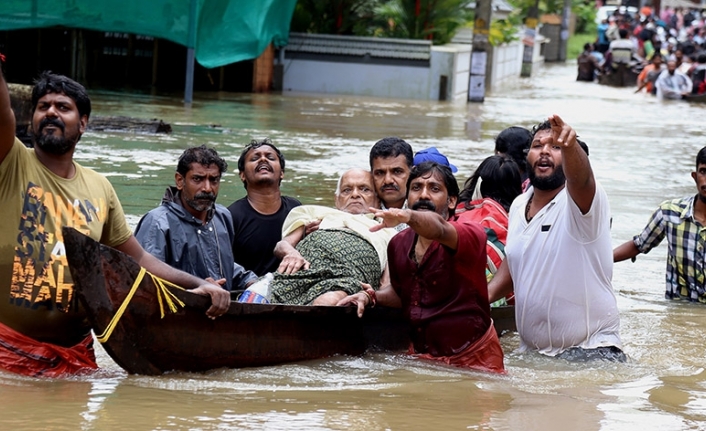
x,y
558,255
437,275
43,329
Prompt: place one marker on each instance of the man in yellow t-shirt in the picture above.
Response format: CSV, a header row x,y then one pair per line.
x,y
43,330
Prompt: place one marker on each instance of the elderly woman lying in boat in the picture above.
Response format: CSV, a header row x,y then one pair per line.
x,y
332,262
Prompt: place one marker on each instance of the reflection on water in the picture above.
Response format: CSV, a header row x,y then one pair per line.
x,y
641,150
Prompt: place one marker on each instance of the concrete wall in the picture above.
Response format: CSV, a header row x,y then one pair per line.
x,y
506,63
452,61
312,76
444,78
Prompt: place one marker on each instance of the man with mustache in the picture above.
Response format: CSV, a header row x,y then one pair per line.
x,y
437,275
391,159
189,230
682,222
43,329
558,254
258,217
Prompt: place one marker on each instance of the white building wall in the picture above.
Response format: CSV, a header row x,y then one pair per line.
x,y
506,64
360,79
405,82
454,62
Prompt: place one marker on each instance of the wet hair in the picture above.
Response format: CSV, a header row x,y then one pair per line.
x,y
545,125
429,168
49,82
514,142
202,155
701,158
392,146
254,144
500,181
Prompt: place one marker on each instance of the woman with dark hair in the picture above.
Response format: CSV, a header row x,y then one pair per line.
x,y
514,142
498,178
486,199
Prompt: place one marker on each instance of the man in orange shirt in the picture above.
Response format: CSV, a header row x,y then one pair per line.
x,y
646,79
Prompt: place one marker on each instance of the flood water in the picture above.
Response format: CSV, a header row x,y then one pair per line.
x,y
641,150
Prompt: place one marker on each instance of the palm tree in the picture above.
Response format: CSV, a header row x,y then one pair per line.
x,y
436,20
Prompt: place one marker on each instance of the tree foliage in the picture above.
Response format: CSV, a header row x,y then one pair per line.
x,y
329,16
436,20
585,11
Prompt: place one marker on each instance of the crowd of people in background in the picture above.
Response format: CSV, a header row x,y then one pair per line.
x,y
667,49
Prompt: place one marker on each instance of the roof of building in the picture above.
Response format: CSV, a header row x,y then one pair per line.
x,y
373,47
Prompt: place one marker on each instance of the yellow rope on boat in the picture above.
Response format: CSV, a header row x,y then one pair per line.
x,y
162,291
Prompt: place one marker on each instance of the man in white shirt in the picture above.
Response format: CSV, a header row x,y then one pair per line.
x,y
559,254
672,83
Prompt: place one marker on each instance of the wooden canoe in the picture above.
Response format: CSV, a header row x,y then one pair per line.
x,y
142,342
622,76
696,98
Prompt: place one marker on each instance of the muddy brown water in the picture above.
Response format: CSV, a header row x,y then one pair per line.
x,y
641,150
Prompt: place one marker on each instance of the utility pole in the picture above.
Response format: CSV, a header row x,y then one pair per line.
x,y
564,35
528,40
479,52
190,51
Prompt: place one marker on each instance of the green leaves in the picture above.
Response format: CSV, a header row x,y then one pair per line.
x,y
436,20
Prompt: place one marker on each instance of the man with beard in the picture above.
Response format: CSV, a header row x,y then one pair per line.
x,y
673,83
258,217
437,275
558,254
43,329
682,221
190,231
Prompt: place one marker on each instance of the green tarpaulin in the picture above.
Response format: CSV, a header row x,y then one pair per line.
x,y
226,31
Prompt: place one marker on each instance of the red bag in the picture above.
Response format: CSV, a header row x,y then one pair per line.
x,y
23,355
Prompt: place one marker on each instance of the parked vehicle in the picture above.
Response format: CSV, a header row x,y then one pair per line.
x,y
606,11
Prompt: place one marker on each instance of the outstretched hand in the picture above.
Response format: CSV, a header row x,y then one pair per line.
x,y
563,134
220,299
389,217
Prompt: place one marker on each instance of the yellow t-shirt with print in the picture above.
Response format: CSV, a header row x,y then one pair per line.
x,y
36,289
